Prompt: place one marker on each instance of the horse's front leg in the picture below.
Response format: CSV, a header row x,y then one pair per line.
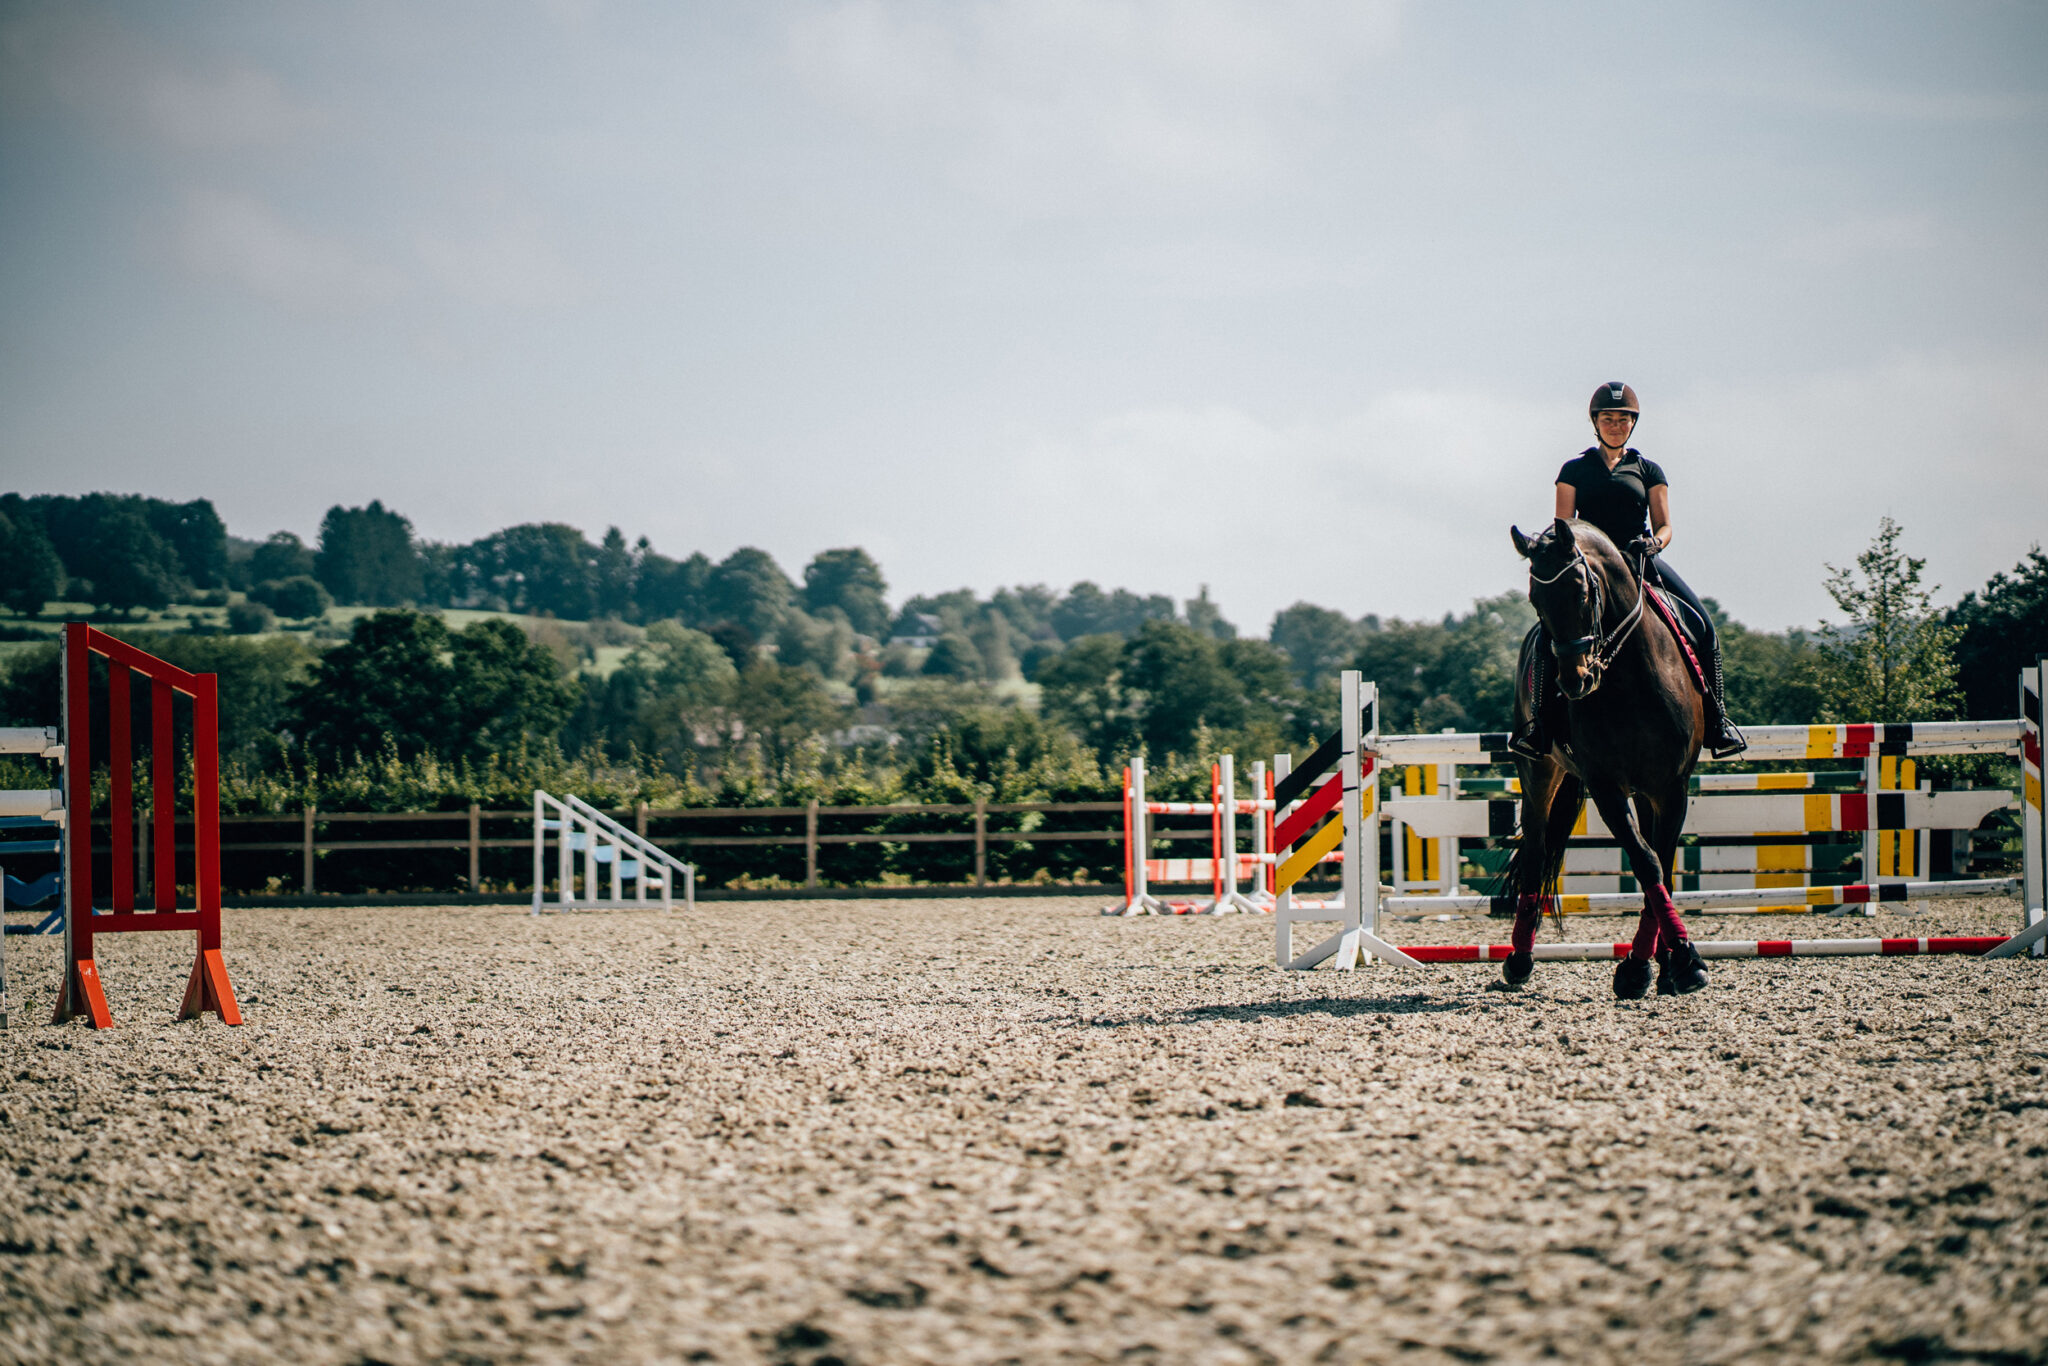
x,y
1679,969
1632,974
1551,798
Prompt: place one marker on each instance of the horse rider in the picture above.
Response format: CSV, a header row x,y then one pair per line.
x,y
1613,486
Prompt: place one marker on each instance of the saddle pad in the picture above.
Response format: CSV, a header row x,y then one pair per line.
x,y
1699,675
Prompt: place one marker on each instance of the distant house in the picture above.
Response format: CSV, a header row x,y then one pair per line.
x,y
918,631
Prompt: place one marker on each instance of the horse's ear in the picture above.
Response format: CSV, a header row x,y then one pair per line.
x,y
1522,543
1563,530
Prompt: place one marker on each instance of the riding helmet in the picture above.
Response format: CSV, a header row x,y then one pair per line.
x,y
1613,397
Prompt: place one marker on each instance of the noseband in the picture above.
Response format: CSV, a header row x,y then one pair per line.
x,y
1600,647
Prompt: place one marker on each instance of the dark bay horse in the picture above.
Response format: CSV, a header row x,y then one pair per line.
x,y
1627,734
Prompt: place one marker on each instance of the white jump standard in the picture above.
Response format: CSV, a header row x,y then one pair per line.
x,y
612,855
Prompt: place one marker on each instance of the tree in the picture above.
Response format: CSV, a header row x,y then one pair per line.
x,y
617,568
686,685
1893,659
1770,678
851,581
1082,688
1087,610
782,709
249,619
30,572
282,556
545,568
1028,608
1206,617
298,597
504,690
196,535
954,657
132,566
2004,629
670,589
748,589
386,683
820,644
1181,682
367,556
1318,641
990,634
402,680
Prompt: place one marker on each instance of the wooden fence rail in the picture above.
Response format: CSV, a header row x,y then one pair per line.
x,y
315,827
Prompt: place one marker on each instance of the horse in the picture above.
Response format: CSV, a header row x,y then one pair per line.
x,y
1627,733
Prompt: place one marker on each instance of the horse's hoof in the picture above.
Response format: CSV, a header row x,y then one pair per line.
x,y
1517,967
1680,970
1632,979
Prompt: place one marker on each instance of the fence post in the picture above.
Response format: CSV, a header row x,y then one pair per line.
x,y
142,820
640,819
981,841
307,878
476,848
811,843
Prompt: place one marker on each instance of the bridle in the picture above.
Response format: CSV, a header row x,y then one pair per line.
x,y
1600,647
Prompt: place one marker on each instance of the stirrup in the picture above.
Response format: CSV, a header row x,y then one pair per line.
x,y
1728,743
1525,743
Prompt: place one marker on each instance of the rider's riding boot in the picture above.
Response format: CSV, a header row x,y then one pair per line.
x,y
1531,737
1724,740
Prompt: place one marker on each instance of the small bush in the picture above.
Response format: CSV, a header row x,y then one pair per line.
x,y
297,597
250,619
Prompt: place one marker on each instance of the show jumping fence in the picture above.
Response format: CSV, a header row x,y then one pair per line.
x,y
1300,843
1762,832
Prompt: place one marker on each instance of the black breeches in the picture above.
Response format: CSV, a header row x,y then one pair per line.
x,y
1702,623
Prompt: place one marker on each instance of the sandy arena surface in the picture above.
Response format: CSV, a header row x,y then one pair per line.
x,y
962,1131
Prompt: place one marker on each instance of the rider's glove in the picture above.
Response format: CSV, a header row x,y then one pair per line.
x,y
1644,546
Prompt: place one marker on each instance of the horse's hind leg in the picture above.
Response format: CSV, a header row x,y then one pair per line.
x,y
1632,974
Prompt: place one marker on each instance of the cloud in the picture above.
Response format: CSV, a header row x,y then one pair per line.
x,y
1792,471
231,110
1397,507
241,239
1857,239
510,265
89,63
1044,105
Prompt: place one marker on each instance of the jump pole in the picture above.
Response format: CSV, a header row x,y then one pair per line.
x,y
1988,946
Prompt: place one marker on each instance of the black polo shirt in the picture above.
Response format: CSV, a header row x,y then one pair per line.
x,y
1618,500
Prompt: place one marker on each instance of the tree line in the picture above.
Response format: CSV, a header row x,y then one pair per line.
x,y
738,677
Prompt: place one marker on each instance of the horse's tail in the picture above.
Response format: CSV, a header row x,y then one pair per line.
x,y
1537,861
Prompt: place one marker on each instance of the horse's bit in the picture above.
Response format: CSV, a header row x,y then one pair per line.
x,y
1599,648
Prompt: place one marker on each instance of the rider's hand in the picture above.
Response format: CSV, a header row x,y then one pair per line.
x,y
1645,546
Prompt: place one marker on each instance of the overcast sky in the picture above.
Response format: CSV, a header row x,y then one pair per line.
x,y
1300,300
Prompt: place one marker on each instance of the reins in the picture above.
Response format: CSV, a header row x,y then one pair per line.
x,y
1601,647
